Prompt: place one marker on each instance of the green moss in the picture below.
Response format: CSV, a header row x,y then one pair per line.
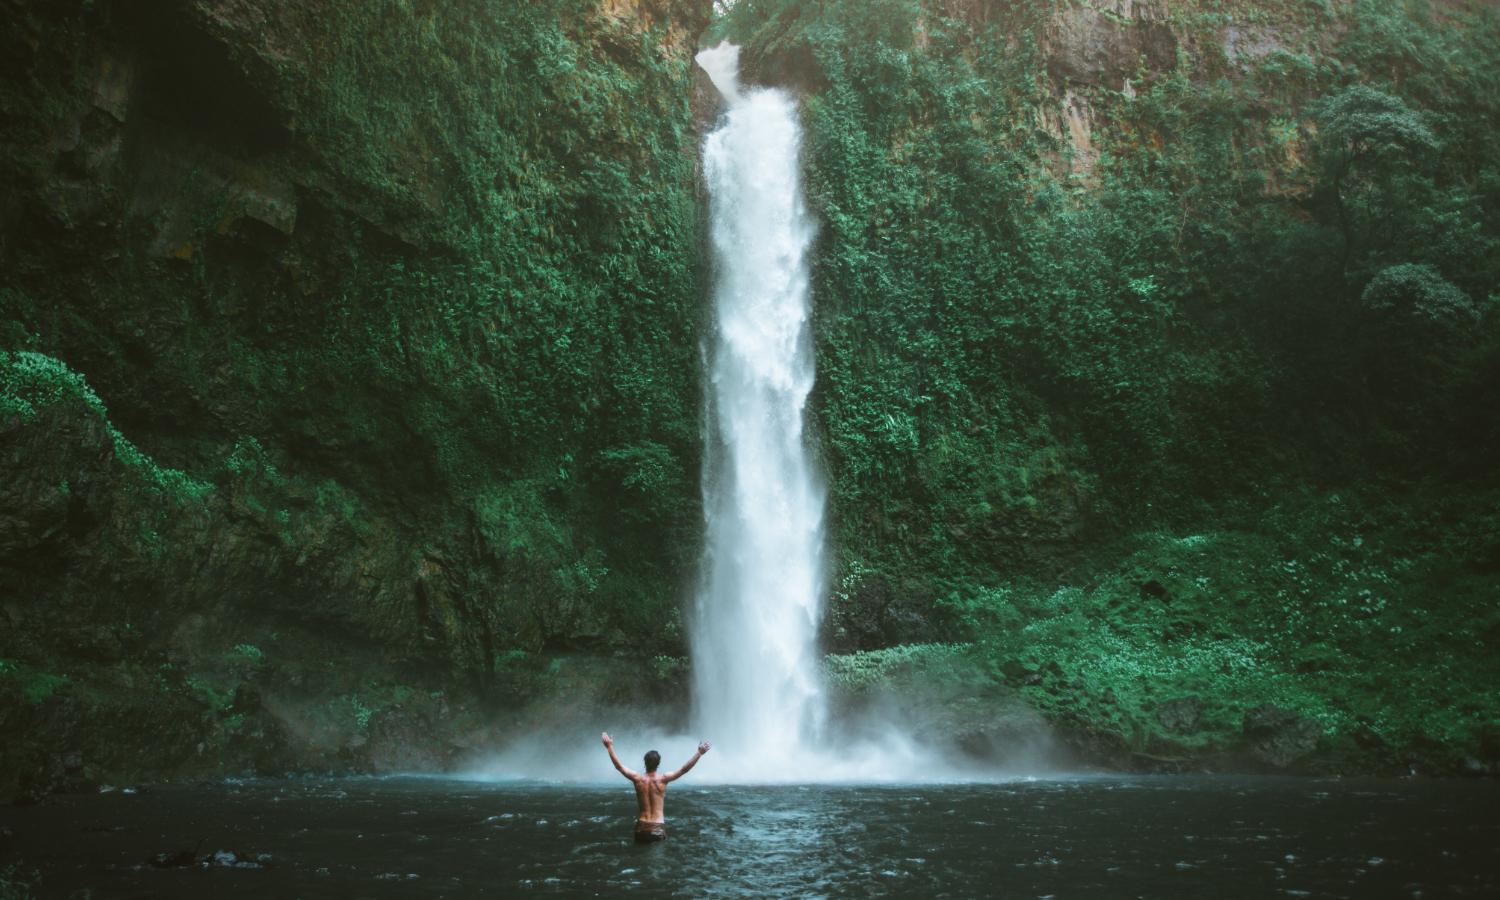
x,y
212,691
510,659
249,652
668,668
37,686
249,459
362,713
32,381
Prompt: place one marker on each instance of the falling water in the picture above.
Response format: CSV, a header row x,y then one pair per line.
x,y
754,639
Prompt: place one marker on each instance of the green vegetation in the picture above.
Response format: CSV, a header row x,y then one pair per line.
x,y
31,381
36,685
249,652
1320,606
368,328
1248,297
462,352
215,698
349,366
868,670
362,713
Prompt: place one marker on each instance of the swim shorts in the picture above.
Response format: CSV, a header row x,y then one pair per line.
x,y
650,832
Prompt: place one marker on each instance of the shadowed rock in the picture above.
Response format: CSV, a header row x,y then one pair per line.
x,y
1180,716
1280,737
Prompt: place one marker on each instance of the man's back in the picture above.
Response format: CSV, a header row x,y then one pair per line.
x,y
651,795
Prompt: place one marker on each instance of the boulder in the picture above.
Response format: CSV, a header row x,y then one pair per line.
x,y
233,859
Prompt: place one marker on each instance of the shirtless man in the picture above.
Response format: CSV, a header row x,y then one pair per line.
x,y
651,790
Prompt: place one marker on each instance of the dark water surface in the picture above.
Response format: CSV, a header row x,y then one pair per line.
x,y
1094,837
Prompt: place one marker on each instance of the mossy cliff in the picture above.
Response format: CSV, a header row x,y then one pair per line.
x,y
350,378
349,366
1159,354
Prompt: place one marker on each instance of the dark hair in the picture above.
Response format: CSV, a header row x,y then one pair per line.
x,y
653,759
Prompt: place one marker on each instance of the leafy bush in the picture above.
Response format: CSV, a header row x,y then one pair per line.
x,y
1419,296
1361,122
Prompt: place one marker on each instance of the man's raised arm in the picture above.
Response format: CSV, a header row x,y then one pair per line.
x,y
609,744
673,776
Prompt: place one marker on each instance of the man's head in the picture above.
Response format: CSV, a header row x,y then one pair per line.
x,y
653,759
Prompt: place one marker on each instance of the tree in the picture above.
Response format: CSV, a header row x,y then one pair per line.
x,y
1366,137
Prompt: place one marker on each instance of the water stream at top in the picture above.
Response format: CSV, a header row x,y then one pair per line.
x,y
756,675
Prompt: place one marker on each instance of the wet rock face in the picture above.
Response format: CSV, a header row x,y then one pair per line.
x,y
1279,738
795,68
1102,44
1098,747
401,740
1180,716
876,613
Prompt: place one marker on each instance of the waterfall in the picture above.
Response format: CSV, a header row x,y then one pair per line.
x,y
758,694
758,691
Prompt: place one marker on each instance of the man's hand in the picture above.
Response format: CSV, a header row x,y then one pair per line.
x,y
673,776
609,744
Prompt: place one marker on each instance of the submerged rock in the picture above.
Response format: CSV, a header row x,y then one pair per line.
x,y
230,859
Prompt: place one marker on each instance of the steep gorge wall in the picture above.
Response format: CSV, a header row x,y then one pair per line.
x,y
347,360
1156,341
349,391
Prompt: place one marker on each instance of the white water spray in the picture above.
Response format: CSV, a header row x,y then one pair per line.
x,y
756,674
